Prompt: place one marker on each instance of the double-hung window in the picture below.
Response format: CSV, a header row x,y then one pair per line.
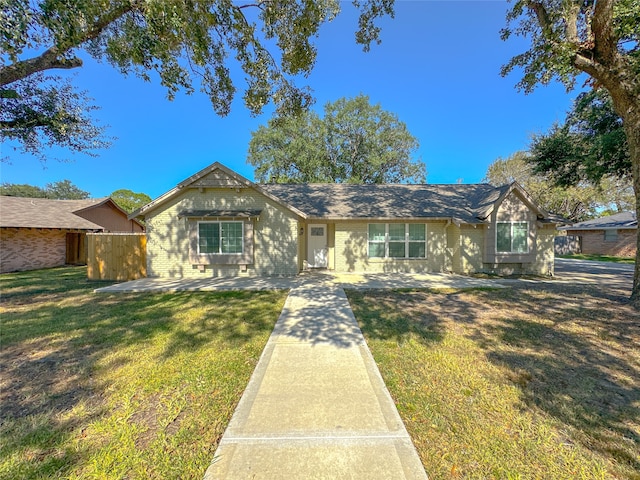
x,y
220,237
512,237
397,240
611,235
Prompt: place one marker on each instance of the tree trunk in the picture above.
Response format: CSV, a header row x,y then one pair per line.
x,y
632,129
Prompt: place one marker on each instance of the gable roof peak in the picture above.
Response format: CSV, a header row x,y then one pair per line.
x,y
215,175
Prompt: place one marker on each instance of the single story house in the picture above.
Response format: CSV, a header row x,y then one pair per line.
x,y
218,223
611,235
41,233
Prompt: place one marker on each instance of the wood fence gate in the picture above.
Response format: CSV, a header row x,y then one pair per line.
x,y
116,256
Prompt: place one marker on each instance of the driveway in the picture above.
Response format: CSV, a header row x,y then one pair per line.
x,y
605,274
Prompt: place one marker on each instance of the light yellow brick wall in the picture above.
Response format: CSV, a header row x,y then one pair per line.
x,y
471,248
545,257
275,235
512,209
453,246
351,251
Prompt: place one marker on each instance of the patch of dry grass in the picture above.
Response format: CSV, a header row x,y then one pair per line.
x,y
536,381
121,385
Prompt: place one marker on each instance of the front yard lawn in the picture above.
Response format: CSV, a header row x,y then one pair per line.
x,y
121,385
599,258
518,383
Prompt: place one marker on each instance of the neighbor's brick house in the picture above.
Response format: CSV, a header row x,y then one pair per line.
x,y
612,235
41,233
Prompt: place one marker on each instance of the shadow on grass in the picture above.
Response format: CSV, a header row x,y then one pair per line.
x,y
55,331
396,316
578,364
572,350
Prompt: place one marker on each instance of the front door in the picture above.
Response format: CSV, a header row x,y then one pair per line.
x,y
317,246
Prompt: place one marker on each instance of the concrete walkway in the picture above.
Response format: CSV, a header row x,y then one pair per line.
x,y
320,278
316,406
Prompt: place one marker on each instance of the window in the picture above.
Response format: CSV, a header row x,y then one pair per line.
x,y
220,237
417,241
317,231
397,240
512,237
611,235
377,240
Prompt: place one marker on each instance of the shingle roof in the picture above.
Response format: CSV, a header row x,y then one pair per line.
x,y
461,203
46,213
624,220
466,203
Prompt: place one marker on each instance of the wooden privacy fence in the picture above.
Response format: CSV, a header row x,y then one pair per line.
x,y
116,256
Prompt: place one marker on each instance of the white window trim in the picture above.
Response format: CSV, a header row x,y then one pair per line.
x,y
220,222
511,252
406,241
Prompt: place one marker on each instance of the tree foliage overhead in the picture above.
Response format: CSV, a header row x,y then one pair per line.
x,y
598,38
189,45
589,146
571,37
354,142
61,190
41,111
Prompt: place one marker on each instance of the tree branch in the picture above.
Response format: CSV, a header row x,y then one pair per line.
x,y
260,5
50,59
54,58
31,122
541,15
571,23
605,45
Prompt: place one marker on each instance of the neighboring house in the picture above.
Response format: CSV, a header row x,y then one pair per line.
x,y
612,235
39,232
217,223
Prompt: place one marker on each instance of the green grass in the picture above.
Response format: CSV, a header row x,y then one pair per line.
x,y
522,383
600,258
121,385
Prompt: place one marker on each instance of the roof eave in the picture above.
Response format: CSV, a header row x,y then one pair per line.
x,y
456,220
587,229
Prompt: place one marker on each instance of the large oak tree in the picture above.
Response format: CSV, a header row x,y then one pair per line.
x,y
189,45
600,38
354,142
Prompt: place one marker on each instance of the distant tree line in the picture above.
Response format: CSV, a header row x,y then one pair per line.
x,y
66,190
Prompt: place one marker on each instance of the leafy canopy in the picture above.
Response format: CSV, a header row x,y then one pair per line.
x,y
129,200
589,146
355,142
188,45
43,111
572,37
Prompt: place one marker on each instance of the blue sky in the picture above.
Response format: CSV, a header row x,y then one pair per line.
x,y
438,69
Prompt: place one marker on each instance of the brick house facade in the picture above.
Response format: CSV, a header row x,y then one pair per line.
x,y
614,235
41,233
